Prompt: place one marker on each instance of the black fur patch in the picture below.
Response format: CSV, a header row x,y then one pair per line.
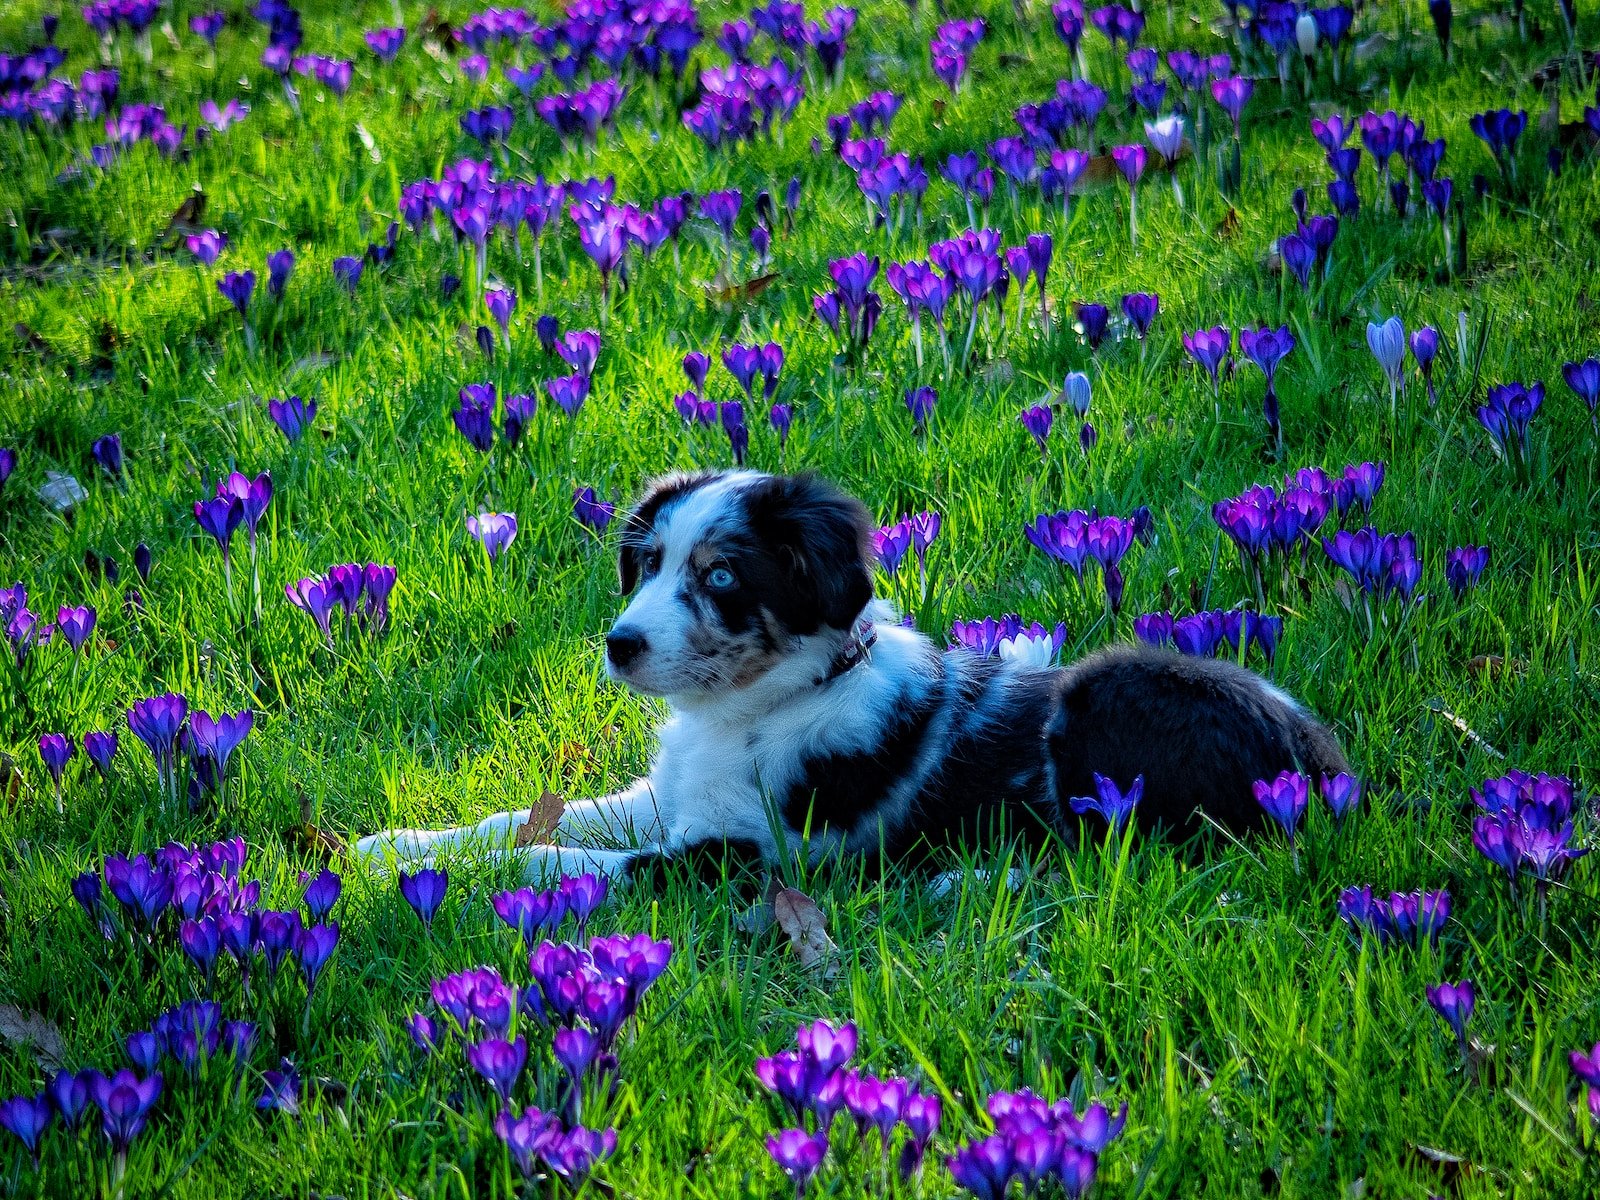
x,y
809,552
836,791
639,525
1200,731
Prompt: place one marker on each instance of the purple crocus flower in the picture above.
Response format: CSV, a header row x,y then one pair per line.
x,y
1464,567
385,43
1208,348
101,748
313,947
55,751
568,392
280,265
220,516
495,530
292,416
8,464
1584,380
1342,792
217,738
474,416
27,1117
107,452
1231,95
1094,320
984,1168
799,1154
501,302
781,417
592,513
1037,420
322,893
207,245
1508,416
1454,1002
347,270
156,721
1284,799
1267,348
424,892
1112,804
1500,128
124,1101
580,350
281,1092
76,624
1140,308
500,1062
920,403
236,288
696,365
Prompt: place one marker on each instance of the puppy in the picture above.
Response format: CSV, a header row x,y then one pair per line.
x,y
803,715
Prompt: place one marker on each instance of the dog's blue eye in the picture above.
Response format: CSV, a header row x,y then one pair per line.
x,y
720,578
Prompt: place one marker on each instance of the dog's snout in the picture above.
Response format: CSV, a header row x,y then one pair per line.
x,y
623,646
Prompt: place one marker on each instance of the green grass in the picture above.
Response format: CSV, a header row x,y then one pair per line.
x,y
1260,1049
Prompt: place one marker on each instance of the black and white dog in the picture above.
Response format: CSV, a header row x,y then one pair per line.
x,y
804,714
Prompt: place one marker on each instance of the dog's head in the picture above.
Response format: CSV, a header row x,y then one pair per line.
x,y
732,575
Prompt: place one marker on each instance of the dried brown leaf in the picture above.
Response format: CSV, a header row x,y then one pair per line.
x,y
184,220
315,840
722,292
30,1031
800,918
10,783
542,820
1228,228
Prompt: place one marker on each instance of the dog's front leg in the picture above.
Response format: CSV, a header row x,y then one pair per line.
x,y
628,817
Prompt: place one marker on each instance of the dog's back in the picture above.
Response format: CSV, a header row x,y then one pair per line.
x,y
1200,731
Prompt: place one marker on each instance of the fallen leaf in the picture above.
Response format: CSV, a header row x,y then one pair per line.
x,y
10,783
799,917
542,820
1101,172
184,220
1228,228
313,839
1494,666
725,293
30,1031
62,492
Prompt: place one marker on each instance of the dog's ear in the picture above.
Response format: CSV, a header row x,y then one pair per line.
x,y
639,525
823,536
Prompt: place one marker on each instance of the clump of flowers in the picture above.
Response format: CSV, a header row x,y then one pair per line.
x,y
1080,538
1527,827
1406,918
1034,645
1212,632
815,1084
577,1006
360,592
1035,1142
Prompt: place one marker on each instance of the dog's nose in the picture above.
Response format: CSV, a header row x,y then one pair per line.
x,y
623,646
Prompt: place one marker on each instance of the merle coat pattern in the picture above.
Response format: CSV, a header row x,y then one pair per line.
x,y
804,714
